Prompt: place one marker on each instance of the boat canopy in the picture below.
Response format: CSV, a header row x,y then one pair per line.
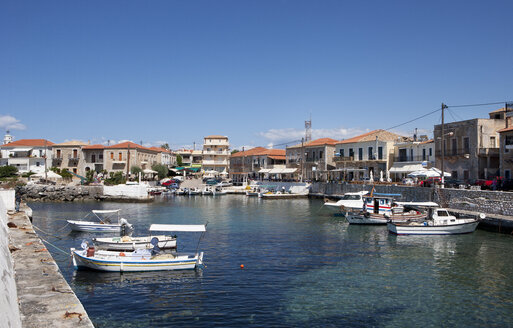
x,y
378,194
179,227
105,211
424,204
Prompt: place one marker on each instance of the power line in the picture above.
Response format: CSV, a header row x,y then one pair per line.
x,y
476,105
412,120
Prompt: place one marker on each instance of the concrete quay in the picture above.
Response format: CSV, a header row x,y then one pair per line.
x,y
45,298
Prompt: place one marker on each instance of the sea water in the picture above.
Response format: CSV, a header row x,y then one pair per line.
x,y
302,267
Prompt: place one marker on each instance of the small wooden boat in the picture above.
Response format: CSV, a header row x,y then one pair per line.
x,y
142,259
103,225
439,222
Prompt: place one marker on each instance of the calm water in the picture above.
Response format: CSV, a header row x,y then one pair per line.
x,y
302,268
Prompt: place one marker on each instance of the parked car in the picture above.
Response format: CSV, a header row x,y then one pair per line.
x,y
430,181
212,182
453,183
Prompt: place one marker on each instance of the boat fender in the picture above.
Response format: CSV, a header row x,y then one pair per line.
x,y
425,223
122,254
366,214
90,251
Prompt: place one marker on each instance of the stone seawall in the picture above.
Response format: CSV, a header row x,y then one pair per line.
x,y
42,193
490,202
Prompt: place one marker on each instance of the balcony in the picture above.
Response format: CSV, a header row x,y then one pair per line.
x,y
213,162
343,158
218,153
413,158
488,152
454,152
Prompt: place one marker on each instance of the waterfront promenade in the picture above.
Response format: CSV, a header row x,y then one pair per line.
x,y
45,298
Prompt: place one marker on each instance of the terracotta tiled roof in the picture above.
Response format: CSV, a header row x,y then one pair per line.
x,y
503,109
160,150
506,130
97,146
427,141
216,137
29,143
370,136
72,143
249,152
317,142
128,144
282,157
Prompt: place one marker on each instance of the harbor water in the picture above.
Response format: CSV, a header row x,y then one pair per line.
x,y
302,267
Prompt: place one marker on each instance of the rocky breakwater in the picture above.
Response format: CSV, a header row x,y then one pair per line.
x,y
43,193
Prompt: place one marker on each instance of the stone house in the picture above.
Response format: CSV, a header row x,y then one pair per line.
x,y
69,156
122,156
412,155
313,160
506,152
471,147
371,152
92,158
258,163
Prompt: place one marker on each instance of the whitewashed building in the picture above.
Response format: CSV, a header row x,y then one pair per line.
x,y
27,155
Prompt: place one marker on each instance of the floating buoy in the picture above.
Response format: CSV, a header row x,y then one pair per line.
x,y
121,254
242,266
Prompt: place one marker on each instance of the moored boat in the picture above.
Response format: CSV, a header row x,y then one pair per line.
x,y
128,243
438,222
351,201
140,259
103,225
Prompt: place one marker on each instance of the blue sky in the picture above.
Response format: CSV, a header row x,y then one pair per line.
x,y
176,71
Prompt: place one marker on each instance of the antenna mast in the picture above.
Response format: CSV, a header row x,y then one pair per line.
x,y
308,130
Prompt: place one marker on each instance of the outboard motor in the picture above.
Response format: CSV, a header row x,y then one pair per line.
x,y
126,228
156,249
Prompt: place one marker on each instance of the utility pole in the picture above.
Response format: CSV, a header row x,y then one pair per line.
x,y
128,162
46,173
243,167
443,145
302,155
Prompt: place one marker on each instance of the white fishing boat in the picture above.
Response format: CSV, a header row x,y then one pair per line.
x,y
194,192
382,208
104,225
439,222
218,191
283,194
351,201
207,191
182,191
140,259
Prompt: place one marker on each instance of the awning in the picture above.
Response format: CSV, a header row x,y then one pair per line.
x,y
148,171
264,171
21,149
405,168
105,211
179,227
118,162
193,169
288,170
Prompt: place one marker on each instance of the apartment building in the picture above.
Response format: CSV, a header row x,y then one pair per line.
x,y
371,153
216,153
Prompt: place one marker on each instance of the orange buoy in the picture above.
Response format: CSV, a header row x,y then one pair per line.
x,y
242,266
121,254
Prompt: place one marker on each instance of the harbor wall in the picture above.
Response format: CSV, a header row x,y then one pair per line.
x,y
486,201
135,191
293,187
8,294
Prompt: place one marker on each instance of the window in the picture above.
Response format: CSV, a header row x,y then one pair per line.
x,y
351,152
320,154
411,154
454,174
93,158
341,152
75,153
370,155
430,152
424,154
380,152
507,174
120,156
465,174
59,153
454,146
111,155
100,157
37,163
492,142
360,154
466,145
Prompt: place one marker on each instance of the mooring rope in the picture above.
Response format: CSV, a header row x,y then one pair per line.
x,y
49,243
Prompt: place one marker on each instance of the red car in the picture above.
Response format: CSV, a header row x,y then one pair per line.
x,y
430,181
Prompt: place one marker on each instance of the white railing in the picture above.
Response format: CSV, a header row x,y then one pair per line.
x,y
214,152
212,162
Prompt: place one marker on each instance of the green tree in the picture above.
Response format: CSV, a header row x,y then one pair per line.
x,y
165,146
135,170
234,151
115,178
8,171
162,170
179,161
89,176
